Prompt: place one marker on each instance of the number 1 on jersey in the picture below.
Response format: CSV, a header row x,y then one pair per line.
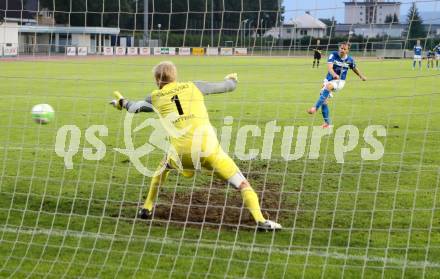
x,y
175,99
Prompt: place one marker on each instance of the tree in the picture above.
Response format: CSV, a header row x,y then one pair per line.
x,y
92,13
331,26
415,23
17,9
227,15
393,19
389,19
182,21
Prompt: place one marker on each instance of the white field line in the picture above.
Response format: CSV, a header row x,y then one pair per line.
x,y
426,167
333,255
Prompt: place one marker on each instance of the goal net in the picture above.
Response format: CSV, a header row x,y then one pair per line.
x,y
356,199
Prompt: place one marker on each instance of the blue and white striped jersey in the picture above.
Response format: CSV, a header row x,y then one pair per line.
x,y
340,65
417,50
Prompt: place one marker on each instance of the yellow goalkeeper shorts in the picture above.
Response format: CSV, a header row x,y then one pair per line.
x,y
218,161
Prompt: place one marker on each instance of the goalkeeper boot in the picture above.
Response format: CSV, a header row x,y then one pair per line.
x,y
144,213
268,226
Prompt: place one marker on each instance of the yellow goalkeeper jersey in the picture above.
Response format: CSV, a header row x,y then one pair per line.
x,y
187,102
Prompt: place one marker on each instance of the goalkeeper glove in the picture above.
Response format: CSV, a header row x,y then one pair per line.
x,y
119,102
232,76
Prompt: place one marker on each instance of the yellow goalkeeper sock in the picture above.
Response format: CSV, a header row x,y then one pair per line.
x,y
156,181
250,200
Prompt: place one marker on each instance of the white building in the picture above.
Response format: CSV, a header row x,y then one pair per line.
x,y
370,11
302,26
27,36
371,30
44,39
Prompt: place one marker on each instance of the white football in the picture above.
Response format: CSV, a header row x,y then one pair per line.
x,y
42,113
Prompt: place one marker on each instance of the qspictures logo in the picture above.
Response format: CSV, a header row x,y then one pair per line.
x,y
165,136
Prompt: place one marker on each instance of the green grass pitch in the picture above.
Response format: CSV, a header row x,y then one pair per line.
x,y
360,219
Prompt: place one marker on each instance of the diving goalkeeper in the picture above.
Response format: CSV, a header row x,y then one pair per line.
x,y
186,100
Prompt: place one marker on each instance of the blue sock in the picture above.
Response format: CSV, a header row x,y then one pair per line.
x,y
325,113
322,98
414,64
